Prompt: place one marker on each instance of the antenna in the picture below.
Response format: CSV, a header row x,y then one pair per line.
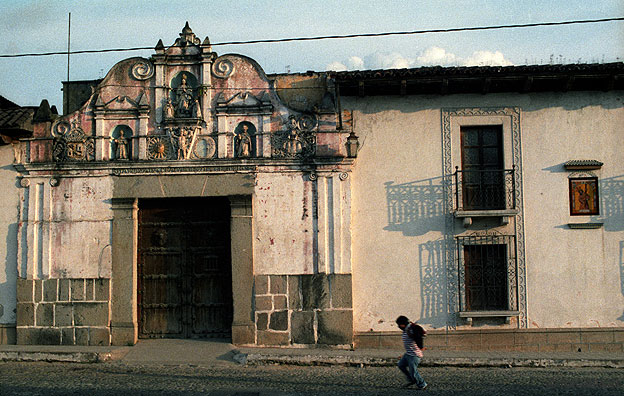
x,y
68,43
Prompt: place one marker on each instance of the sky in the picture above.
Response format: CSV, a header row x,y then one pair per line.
x,y
30,26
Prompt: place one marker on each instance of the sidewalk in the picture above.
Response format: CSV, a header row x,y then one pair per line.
x,y
219,352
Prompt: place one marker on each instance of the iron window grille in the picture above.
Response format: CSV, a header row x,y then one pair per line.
x,y
484,189
487,271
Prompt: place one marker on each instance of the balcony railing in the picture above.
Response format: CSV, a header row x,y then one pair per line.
x,y
477,190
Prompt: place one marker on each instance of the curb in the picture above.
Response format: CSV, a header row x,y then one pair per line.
x,y
360,361
57,355
66,357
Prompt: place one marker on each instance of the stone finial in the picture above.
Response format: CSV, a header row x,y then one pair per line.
x,y
43,113
187,35
206,47
160,47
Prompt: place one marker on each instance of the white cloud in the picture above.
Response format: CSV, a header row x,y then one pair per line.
x,y
336,66
436,56
356,63
486,58
393,60
432,56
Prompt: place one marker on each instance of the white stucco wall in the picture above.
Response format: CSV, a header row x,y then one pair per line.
x,y
573,277
9,206
68,229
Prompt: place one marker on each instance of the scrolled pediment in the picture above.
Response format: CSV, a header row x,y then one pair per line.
x,y
244,101
121,103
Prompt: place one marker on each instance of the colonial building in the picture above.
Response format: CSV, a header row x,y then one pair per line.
x,y
192,195
487,202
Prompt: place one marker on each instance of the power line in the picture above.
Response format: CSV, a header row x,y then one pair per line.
x,y
348,36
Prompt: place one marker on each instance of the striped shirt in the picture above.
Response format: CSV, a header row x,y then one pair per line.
x,y
410,345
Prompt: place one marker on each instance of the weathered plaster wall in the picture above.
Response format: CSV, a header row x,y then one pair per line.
x,y
66,232
302,223
574,277
9,207
283,212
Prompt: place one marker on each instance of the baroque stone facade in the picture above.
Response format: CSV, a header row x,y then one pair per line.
x,y
100,262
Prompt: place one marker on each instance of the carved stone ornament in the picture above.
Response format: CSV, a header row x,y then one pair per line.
x,y
178,144
71,143
158,148
205,148
143,70
222,68
182,140
298,141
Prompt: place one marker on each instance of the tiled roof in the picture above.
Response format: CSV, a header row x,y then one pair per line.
x,y
481,71
481,79
16,122
582,164
16,118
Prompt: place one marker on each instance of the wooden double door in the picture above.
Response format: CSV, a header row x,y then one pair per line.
x,y
184,268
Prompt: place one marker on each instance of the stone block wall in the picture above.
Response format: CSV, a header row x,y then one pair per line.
x,y
303,309
63,311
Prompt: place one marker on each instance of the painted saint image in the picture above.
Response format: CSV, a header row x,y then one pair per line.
x,y
583,196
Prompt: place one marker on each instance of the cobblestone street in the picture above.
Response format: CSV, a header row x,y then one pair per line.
x,y
39,378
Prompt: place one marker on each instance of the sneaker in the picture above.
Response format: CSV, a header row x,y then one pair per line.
x,y
422,387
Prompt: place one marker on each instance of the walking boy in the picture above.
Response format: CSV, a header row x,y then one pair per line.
x,y
413,353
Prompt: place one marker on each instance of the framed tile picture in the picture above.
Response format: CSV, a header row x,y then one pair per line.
x,y
584,196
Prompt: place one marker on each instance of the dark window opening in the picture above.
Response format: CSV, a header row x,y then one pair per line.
x,y
482,174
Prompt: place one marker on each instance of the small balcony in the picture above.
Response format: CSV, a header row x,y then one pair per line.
x,y
484,193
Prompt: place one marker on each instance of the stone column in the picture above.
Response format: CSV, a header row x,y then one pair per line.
x,y
141,138
266,137
100,153
222,137
124,321
243,326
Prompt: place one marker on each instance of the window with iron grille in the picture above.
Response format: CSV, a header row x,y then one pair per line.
x,y
482,174
487,271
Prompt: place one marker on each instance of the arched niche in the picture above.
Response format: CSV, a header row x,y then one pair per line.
x,y
183,101
121,143
245,140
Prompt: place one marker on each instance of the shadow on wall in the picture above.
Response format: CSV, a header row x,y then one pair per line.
x,y
433,283
611,192
7,311
622,274
415,208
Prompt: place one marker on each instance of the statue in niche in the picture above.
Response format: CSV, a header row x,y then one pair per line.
x,y
121,146
184,104
243,143
169,111
197,108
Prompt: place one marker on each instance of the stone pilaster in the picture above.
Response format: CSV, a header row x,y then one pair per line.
x,y
243,326
124,321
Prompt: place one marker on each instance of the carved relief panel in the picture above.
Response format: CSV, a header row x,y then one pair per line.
x,y
298,141
70,143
